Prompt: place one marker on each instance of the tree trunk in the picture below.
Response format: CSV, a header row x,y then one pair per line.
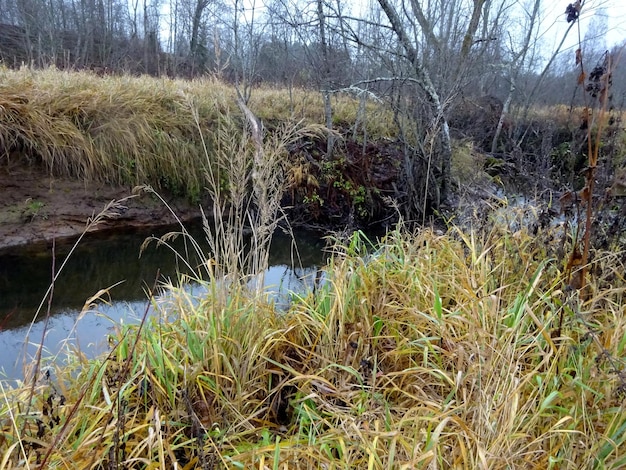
x,y
195,32
505,111
325,79
468,40
423,79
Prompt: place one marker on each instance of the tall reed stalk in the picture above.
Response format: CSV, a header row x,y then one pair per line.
x,y
597,97
246,182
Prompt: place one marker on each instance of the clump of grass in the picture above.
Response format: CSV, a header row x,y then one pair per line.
x,y
118,129
137,130
245,180
377,120
468,166
424,350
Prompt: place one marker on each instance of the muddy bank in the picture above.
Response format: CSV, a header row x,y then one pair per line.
x,y
35,206
348,192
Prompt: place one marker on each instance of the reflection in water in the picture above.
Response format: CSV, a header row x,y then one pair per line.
x,y
103,260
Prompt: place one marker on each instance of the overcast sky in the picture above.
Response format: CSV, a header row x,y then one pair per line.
x,y
615,11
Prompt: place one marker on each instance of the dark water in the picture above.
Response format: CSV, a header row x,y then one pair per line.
x,y
100,261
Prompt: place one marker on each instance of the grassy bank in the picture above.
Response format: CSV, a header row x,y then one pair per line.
x,y
139,130
455,350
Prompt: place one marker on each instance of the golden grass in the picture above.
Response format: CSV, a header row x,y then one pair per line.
x,y
139,130
566,117
278,105
455,350
118,129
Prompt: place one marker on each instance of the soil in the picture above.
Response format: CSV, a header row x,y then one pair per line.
x,y
36,207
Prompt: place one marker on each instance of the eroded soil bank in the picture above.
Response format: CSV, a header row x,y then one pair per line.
x,y
35,206
350,191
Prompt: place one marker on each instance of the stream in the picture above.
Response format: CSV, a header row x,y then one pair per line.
x,y
102,260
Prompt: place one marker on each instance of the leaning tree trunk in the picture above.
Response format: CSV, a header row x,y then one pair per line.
x,y
194,43
439,123
503,114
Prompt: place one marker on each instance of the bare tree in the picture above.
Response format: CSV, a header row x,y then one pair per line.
x,y
443,49
248,30
514,67
440,40
318,29
325,76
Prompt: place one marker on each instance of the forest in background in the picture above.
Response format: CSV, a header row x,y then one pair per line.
x,y
468,48
448,70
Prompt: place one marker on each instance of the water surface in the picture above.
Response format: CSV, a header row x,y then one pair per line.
x,y
100,261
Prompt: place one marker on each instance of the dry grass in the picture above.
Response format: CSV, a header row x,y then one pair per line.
x,y
428,350
567,118
137,130
453,350
118,129
278,105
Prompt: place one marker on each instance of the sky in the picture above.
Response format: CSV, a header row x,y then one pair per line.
x,y
554,22
553,15
615,10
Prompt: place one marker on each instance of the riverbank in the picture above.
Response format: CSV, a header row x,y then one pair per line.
x,y
38,207
71,142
